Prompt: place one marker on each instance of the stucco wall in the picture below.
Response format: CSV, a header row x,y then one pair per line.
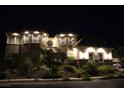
x,y
82,52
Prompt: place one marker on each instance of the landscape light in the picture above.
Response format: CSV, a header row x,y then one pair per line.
x,y
15,34
36,32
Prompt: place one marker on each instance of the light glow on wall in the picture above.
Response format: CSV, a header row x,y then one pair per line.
x,y
44,34
70,53
55,43
85,55
81,55
75,53
90,49
109,56
100,50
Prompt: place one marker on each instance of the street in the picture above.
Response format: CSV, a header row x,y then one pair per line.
x,y
113,83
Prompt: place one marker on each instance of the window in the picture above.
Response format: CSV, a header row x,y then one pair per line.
x,y
62,41
44,40
13,40
91,57
35,38
73,40
69,40
26,39
101,60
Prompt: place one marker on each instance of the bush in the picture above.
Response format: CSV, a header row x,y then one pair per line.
x,y
91,68
120,75
80,72
47,75
66,76
71,69
45,72
105,69
71,59
2,75
50,72
86,76
109,76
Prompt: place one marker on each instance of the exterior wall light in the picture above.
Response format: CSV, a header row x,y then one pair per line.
x,y
62,35
70,34
26,32
15,34
36,32
44,34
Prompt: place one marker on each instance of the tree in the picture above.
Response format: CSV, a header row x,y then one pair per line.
x,y
119,52
54,60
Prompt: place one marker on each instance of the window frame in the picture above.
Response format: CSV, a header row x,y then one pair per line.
x,y
99,57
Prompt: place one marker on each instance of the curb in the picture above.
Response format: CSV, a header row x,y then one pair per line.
x,y
47,80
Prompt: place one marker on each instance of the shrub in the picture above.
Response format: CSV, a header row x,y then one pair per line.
x,y
105,69
71,69
66,76
91,68
2,75
45,72
38,73
71,58
109,76
50,72
80,71
47,75
86,76
120,75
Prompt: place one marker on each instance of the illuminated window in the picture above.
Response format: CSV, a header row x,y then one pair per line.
x,y
100,55
26,39
13,40
91,56
44,39
35,38
62,41
71,40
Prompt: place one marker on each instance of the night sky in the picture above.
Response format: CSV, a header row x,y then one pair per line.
x,y
95,24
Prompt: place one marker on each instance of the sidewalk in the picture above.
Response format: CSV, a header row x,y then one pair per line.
x,y
39,79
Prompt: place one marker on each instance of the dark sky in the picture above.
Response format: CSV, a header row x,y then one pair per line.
x,y
94,23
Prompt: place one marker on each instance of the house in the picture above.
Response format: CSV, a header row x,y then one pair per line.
x,y
33,41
